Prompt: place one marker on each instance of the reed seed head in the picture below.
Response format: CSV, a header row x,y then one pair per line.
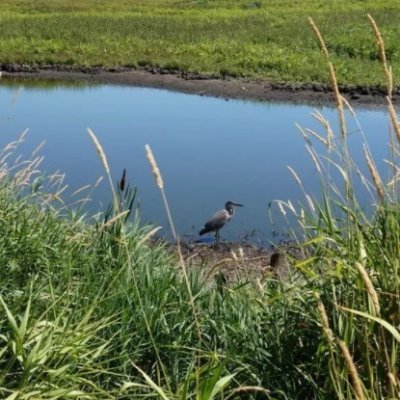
x,y
281,209
103,159
154,167
382,55
294,174
393,118
338,99
314,158
325,321
357,385
379,40
320,39
310,203
375,175
100,150
370,287
393,379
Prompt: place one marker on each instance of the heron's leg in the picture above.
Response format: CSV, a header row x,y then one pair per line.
x,y
217,238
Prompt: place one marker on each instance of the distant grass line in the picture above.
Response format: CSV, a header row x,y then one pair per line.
x,y
268,40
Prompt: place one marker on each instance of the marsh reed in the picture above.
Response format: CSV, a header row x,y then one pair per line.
x,y
365,347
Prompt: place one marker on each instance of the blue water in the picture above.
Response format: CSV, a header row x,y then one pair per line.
x,y
209,150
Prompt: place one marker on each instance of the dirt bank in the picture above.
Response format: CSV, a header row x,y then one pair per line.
x,y
233,262
204,85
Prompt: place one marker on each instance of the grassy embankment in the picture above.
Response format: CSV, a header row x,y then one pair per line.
x,y
94,311
252,38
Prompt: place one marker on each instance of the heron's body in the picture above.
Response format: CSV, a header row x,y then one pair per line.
x,y
219,219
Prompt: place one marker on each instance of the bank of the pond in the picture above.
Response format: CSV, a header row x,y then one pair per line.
x,y
201,84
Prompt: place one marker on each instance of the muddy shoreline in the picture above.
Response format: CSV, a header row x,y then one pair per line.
x,y
200,84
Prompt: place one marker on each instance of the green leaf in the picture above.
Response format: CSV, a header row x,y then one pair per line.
x,y
10,317
128,385
13,396
385,324
24,323
152,384
220,385
210,383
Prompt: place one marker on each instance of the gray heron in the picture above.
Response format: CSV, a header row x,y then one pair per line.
x,y
219,219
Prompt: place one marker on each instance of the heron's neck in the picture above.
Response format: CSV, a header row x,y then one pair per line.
x,y
230,210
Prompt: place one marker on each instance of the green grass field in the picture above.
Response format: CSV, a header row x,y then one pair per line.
x,y
260,39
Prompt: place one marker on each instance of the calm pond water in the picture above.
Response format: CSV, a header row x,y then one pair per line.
x,y
209,150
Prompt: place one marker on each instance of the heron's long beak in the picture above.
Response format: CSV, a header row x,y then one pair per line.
x,y
238,205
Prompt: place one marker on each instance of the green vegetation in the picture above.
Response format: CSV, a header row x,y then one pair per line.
x,y
250,38
86,307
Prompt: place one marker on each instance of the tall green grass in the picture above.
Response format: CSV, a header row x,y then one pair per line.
x,y
95,310
355,269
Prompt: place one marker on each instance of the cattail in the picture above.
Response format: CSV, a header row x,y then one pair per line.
x,y
122,181
357,385
374,174
370,288
154,167
320,39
